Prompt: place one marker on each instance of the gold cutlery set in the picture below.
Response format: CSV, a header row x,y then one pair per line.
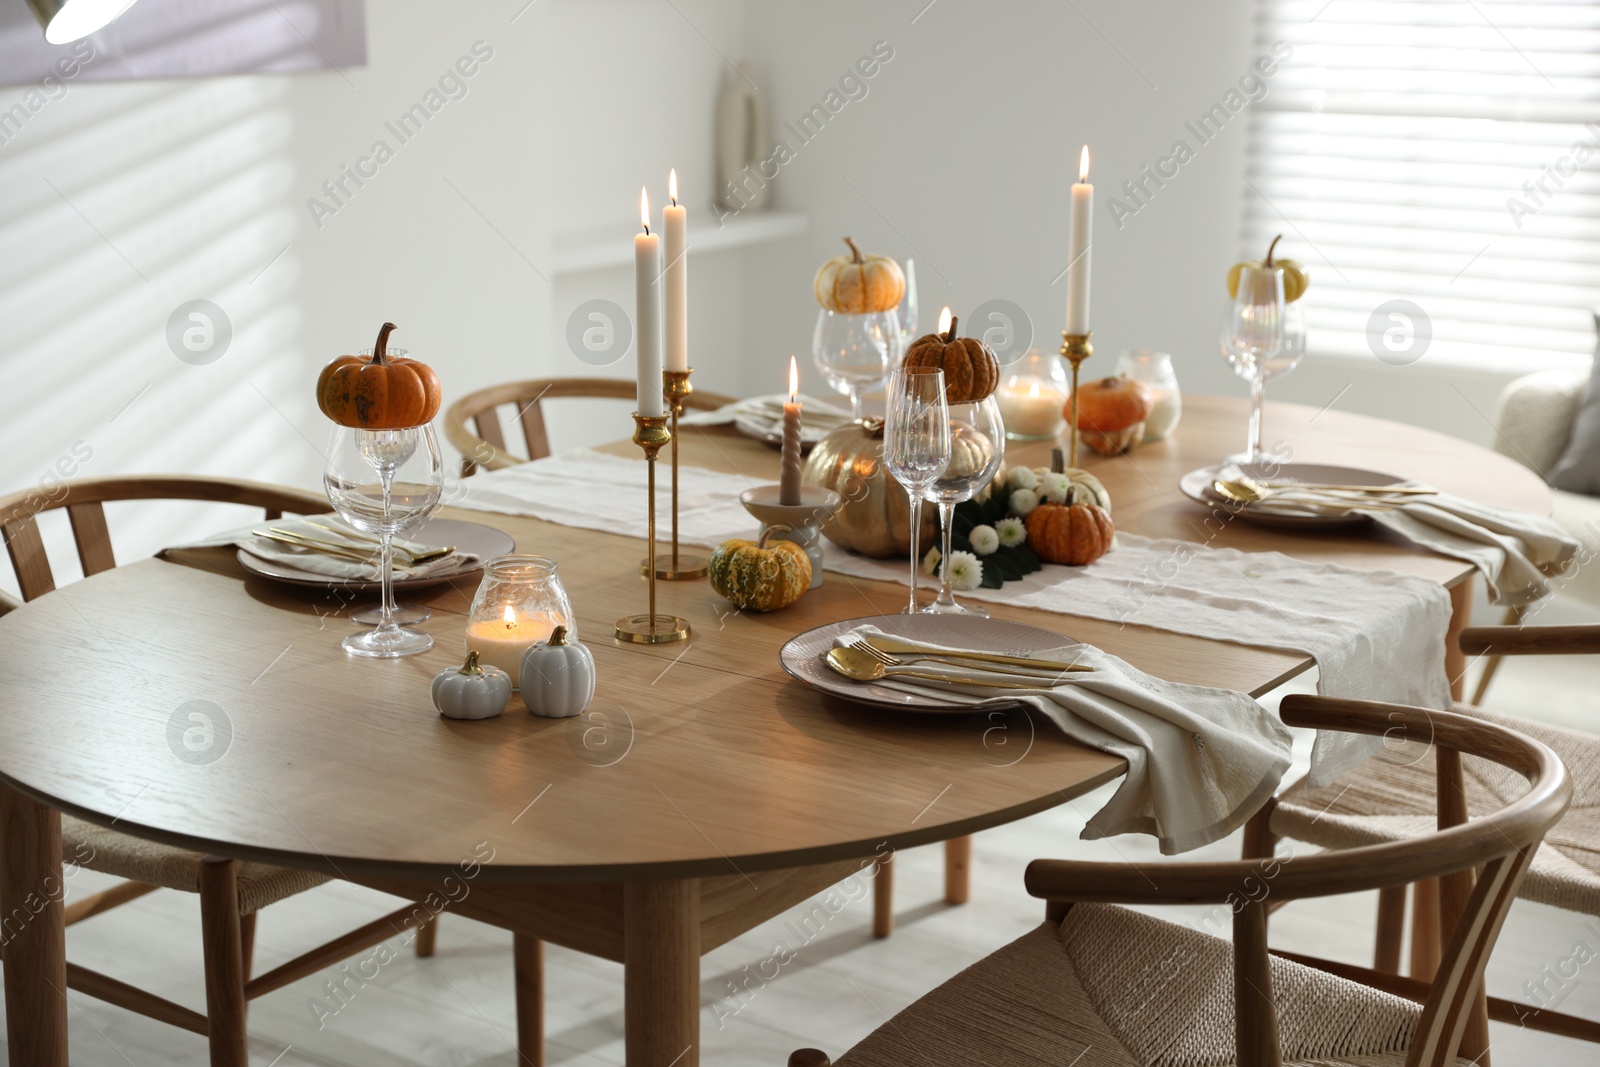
x,y
1246,490
355,547
869,659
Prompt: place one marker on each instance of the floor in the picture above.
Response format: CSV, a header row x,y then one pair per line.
x,y
456,1008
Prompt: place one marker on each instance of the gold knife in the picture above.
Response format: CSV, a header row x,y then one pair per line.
x,y
908,648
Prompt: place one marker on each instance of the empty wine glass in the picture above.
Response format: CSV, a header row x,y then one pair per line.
x,y
405,614
380,482
916,443
977,444
854,352
1253,342
908,307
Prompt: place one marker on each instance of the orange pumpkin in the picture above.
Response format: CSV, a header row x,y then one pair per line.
x,y
1110,414
380,392
1070,533
859,284
971,370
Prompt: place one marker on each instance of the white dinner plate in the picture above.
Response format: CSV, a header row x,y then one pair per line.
x,y
485,542
1197,486
805,656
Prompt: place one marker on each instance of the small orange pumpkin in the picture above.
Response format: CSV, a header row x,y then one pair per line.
x,y
859,284
1111,413
1074,534
380,392
971,370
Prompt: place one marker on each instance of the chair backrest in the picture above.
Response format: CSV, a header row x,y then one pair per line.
x,y
1491,853
84,500
484,444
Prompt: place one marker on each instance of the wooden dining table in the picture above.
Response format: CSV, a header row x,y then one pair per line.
x,y
703,793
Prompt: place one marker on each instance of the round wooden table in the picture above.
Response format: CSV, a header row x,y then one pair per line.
x,y
704,793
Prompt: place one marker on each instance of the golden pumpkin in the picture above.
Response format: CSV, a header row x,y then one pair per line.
x,y
380,392
1074,534
1110,414
875,519
762,575
971,370
1295,276
859,284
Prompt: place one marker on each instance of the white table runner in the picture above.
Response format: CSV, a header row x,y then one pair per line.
x,y
1375,635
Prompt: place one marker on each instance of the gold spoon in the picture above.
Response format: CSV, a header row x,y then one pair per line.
x,y
853,663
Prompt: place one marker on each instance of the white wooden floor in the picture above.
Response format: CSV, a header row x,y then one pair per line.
x,y
457,1008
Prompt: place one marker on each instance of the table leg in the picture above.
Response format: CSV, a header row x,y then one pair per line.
x,y
33,931
661,978
958,870
527,956
1455,661
883,897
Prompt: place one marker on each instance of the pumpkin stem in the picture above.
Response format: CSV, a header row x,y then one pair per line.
x,y
471,666
558,636
1268,261
855,253
380,349
1058,462
950,334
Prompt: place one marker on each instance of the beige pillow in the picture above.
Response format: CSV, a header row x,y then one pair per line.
x,y
1578,469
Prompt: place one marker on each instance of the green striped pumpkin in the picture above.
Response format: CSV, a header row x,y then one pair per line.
x,y
760,575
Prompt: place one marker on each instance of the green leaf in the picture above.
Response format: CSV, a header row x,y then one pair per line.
x,y
1030,556
991,578
962,526
994,509
1007,570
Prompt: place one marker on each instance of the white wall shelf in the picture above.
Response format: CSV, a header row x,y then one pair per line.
x,y
593,249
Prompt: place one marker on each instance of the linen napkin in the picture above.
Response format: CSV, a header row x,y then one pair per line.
x,y
1513,550
1200,761
760,415
315,562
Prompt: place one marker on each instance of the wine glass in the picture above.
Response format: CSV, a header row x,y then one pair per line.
x,y
977,444
908,307
380,482
854,352
1253,342
404,614
916,443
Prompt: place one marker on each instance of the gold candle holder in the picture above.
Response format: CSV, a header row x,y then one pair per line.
x,y
650,433
1075,348
679,566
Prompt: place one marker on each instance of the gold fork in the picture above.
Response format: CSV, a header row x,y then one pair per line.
x,y
892,661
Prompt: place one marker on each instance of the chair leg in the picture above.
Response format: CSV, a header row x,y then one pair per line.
x,y
427,936
224,962
883,898
1425,930
527,956
247,942
1491,664
1391,929
958,869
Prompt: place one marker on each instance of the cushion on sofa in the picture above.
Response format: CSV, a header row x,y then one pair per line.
x,y
1578,469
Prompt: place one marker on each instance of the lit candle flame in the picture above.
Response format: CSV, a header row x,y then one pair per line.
x,y
1033,391
672,186
644,209
794,380
511,617
1083,165
944,321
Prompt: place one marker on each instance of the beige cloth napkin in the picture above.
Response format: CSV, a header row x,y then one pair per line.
x,y
1513,550
315,562
760,415
1200,761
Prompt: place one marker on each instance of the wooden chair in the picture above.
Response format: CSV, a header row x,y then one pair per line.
x,y
1391,797
1101,986
231,892
485,444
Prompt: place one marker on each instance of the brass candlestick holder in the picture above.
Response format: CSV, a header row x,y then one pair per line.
x,y
1075,348
679,566
650,433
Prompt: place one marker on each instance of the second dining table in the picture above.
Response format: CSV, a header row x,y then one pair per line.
x,y
703,793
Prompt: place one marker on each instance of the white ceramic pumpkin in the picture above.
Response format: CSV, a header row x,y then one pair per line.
x,y
557,677
471,691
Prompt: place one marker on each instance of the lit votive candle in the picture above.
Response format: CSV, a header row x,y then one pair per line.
x,y
1029,411
1166,405
502,642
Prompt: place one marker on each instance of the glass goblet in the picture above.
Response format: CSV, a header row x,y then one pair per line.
x,y
1253,342
381,482
854,352
405,614
916,443
977,444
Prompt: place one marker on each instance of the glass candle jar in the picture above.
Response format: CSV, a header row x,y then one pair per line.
x,y
519,603
1032,396
1154,369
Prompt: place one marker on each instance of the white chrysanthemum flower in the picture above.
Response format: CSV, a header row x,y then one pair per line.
x,y
1055,487
966,571
1023,501
1012,531
1022,478
984,540
930,562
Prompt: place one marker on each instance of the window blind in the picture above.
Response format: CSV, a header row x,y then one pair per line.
x,y
1443,152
